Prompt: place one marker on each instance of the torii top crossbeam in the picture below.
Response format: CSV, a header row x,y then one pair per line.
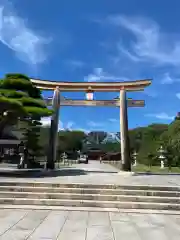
x,y
137,85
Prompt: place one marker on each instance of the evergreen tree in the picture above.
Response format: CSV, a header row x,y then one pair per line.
x,y
19,100
31,136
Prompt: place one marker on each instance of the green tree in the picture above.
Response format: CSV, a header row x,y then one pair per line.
x,y
135,138
171,141
31,136
19,99
150,142
44,139
151,157
70,141
145,140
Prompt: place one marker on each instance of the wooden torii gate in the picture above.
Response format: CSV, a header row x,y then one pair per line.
x,y
90,87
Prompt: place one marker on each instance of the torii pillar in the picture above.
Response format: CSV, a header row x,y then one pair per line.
x,y
53,134
125,145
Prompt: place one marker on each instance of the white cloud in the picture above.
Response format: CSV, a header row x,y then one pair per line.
x,y
113,120
66,126
162,115
167,79
100,75
150,43
128,54
150,93
18,37
95,124
69,125
46,121
178,95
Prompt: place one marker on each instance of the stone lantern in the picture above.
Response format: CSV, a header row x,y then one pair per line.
x,y
134,155
64,157
162,158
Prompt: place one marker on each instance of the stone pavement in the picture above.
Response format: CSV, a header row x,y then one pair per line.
x,y
96,173
66,225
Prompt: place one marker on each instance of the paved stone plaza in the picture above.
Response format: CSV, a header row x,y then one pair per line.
x,y
82,225
65,224
96,173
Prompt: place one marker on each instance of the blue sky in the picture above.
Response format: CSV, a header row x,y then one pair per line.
x,y
98,40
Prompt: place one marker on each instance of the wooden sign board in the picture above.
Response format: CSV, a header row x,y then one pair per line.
x,y
94,103
136,103
89,103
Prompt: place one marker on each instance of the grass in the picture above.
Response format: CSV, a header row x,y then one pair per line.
x,y
153,169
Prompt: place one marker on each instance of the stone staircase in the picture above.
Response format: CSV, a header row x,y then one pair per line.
x,y
88,195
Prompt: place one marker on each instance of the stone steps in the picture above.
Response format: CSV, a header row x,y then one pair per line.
x,y
93,197
90,209
90,203
89,191
92,186
88,195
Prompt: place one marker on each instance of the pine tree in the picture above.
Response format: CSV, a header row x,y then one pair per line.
x,y
31,136
20,100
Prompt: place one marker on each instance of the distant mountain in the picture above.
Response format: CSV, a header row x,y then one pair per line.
x,y
100,137
111,137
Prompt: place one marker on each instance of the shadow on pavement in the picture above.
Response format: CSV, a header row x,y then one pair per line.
x,y
97,171
39,173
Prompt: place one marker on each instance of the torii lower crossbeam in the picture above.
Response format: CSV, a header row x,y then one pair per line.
x,y
122,103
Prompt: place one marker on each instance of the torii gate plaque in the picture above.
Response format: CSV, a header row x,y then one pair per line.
x,y
90,87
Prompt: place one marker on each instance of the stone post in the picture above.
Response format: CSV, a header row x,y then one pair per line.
x,y
53,134
125,146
